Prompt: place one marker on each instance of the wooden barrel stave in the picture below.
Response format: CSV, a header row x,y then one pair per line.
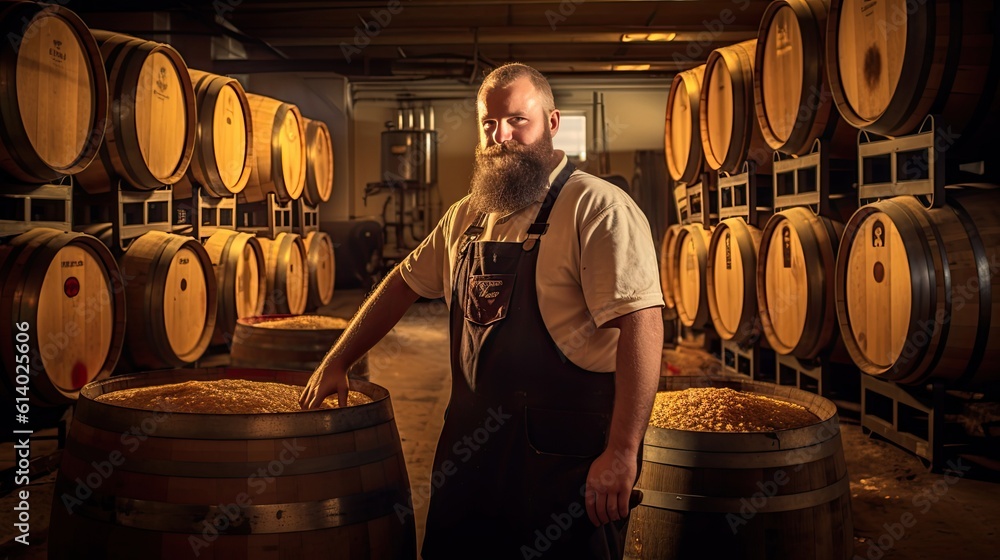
x,y
319,162
279,151
696,486
689,262
937,58
184,474
224,143
322,268
150,138
794,105
730,133
286,348
286,262
666,270
916,298
170,293
795,288
241,277
731,280
55,106
682,136
65,287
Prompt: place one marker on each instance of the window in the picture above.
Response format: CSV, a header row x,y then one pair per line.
x,y
572,136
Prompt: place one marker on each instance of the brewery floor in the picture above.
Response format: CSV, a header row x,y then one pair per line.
x,y
901,511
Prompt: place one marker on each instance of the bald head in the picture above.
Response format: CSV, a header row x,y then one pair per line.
x,y
509,73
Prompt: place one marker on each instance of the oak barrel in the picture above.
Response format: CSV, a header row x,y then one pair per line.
x,y
287,273
730,133
294,347
224,146
682,137
890,64
322,268
279,149
775,495
689,261
666,270
63,311
917,294
241,278
795,289
319,162
170,293
731,280
312,484
150,135
54,103
794,104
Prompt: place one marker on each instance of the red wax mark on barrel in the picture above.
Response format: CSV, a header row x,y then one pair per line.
x,y
79,377
71,287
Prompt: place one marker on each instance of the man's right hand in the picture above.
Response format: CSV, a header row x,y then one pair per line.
x,y
326,380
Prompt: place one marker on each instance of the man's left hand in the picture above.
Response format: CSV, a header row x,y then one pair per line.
x,y
609,486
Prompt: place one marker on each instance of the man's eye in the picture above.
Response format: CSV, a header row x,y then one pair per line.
x,y
487,124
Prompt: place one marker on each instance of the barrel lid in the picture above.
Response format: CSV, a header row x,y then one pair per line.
x,y
719,99
782,72
55,90
229,127
161,115
786,282
185,302
75,318
871,47
878,289
728,276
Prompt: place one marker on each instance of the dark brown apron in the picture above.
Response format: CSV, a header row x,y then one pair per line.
x,y
523,424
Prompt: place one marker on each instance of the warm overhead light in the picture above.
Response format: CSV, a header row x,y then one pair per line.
x,y
629,37
628,67
661,37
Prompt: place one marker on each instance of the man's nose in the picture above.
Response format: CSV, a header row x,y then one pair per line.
x,y
502,133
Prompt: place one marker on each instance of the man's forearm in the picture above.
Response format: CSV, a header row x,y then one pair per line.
x,y
640,348
376,317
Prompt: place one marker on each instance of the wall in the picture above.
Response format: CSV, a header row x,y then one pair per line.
x,y
634,114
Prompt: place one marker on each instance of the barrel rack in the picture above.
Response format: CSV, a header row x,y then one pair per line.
x,y
130,213
917,418
23,207
305,218
205,214
268,217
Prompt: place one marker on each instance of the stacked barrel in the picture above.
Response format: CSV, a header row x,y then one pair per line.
x,y
113,122
60,292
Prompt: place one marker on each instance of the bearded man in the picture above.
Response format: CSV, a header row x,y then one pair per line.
x,y
551,279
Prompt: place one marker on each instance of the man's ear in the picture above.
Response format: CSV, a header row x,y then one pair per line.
x,y
554,121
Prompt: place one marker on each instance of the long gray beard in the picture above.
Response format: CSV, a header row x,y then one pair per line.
x,y
510,176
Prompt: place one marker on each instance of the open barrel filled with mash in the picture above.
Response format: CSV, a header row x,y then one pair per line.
x,y
169,483
743,469
296,342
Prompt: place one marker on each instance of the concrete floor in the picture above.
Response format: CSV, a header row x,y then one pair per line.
x,y
954,517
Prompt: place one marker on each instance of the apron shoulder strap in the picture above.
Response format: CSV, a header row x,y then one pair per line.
x,y
541,224
473,232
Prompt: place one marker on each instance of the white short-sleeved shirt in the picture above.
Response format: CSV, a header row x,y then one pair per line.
x,y
597,262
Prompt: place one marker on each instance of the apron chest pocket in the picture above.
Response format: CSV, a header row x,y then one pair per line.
x,y
488,299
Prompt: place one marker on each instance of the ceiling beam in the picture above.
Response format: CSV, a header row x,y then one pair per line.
x,y
505,35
